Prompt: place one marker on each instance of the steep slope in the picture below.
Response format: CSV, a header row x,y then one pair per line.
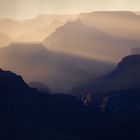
x,y
77,38
125,76
22,107
10,81
17,29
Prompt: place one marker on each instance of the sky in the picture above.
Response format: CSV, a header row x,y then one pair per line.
x,y
22,9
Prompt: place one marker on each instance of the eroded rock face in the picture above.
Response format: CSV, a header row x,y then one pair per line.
x,y
87,99
97,102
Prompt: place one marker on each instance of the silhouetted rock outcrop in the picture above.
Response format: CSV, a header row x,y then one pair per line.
x,y
22,107
59,116
125,76
10,81
119,90
124,24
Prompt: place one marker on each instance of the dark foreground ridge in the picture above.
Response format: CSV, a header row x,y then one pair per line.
x,y
27,114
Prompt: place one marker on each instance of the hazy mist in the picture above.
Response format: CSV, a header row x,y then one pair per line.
x,y
20,9
107,36
66,51
60,72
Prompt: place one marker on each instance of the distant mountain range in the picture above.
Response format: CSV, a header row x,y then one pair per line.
x,y
114,23
124,24
32,28
125,76
104,101
59,71
11,82
107,36
77,52
76,38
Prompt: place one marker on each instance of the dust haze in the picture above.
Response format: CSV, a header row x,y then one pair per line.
x,y
65,51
